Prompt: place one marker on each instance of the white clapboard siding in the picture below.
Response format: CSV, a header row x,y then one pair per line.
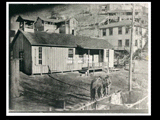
x,y
111,58
96,58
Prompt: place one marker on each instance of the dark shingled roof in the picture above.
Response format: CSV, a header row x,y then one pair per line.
x,y
56,39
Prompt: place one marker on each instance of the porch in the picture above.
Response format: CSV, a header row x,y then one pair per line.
x,y
94,59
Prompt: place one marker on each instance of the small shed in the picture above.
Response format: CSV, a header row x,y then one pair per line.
x,y
42,52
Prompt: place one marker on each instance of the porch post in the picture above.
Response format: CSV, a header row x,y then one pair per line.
x,y
108,60
24,25
88,62
104,56
88,58
99,57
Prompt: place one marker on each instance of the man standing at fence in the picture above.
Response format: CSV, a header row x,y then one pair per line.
x,y
106,85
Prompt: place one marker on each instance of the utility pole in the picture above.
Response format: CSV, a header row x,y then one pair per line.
x,y
131,46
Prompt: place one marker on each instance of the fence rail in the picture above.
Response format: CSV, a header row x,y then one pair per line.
x,y
136,103
93,105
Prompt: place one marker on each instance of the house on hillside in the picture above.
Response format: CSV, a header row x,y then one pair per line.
x,y
114,12
26,23
67,26
42,52
48,25
119,35
71,26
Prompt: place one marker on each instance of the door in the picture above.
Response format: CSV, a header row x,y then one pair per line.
x,y
21,60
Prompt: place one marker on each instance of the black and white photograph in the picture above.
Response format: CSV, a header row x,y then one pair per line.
x,y
78,58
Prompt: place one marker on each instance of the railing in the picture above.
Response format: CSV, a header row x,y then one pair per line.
x,y
106,101
136,104
110,101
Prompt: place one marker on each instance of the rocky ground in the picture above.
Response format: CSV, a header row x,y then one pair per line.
x,y
43,92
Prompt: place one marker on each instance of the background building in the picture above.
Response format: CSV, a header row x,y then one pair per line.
x,y
119,35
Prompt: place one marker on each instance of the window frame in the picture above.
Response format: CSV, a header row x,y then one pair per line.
x,y
70,57
136,30
40,55
104,31
110,31
126,45
119,30
136,43
81,59
119,42
127,28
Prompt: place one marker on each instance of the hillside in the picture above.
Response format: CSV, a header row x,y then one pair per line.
x,y
65,10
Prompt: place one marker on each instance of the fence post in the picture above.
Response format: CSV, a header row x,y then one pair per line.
x,y
96,105
14,82
64,105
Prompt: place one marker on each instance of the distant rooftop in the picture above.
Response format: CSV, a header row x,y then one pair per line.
x,y
26,18
33,19
121,23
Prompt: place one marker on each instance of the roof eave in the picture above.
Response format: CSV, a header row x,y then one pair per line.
x,y
53,45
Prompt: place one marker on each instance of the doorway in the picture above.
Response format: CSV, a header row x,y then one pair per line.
x,y
72,32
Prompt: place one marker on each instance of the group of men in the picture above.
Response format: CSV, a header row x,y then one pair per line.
x,y
101,86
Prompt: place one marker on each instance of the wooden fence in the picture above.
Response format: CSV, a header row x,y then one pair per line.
x,y
107,102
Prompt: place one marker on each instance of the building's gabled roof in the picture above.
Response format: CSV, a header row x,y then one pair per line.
x,y
87,19
92,43
119,24
65,40
51,20
33,19
25,18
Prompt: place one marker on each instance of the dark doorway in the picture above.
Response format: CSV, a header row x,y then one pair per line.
x,y
72,32
21,60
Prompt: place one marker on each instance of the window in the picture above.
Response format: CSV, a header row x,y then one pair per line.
x,y
40,55
128,13
127,42
140,31
119,30
119,43
104,32
136,42
110,31
70,55
81,59
136,30
142,21
127,29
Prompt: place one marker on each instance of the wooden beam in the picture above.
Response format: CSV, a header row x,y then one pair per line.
x,y
131,50
88,57
99,57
